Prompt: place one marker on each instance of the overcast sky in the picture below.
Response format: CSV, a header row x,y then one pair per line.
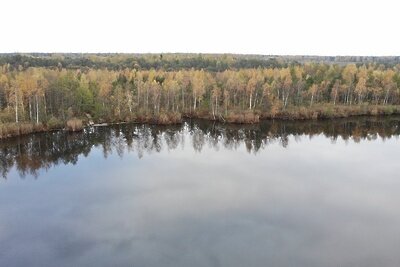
x,y
330,27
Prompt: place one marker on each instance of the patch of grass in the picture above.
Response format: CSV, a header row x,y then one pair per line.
x,y
74,125
54,123
329,111
16,129
168,118
243,117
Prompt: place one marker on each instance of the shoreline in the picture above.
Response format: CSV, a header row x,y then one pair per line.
x,y
9,130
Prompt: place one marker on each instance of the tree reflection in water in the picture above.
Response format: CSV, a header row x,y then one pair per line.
x,y
42,151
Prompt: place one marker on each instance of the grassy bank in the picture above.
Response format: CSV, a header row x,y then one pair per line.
x,y
16,129
326,111
329,111
24,128
11,129
320,111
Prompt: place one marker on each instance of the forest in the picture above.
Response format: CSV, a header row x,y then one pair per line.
x,y
36,97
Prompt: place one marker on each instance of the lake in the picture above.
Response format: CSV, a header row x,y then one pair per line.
x,y
307,193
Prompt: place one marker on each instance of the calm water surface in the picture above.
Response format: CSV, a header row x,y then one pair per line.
x,y
201,194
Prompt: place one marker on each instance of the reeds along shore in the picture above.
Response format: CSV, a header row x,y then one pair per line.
x,y
23,128
248,117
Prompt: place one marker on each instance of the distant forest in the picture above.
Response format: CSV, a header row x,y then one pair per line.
x,y
49,89
171,62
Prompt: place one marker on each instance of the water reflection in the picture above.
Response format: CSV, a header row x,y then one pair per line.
x,y
201,194
42,151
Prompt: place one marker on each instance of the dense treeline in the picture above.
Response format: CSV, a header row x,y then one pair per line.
x,y
167,62
387,61
41,151
171,62
48,96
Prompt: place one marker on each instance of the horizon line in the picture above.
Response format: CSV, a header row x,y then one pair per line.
x,y
203,53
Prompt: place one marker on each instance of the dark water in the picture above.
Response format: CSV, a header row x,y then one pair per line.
x,y
275,194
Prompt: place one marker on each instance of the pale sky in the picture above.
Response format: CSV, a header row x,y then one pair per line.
x,y
289,27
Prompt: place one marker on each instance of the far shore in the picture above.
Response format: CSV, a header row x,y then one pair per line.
x,y
12,129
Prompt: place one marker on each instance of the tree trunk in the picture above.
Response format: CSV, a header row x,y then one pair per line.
x,y
45,106
16,105
334,98
168,100
251,95
286,101
216,104
312,100
138,97
37,109
212,106
386,97
255,100
147,99
183,100
30,109
226,107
